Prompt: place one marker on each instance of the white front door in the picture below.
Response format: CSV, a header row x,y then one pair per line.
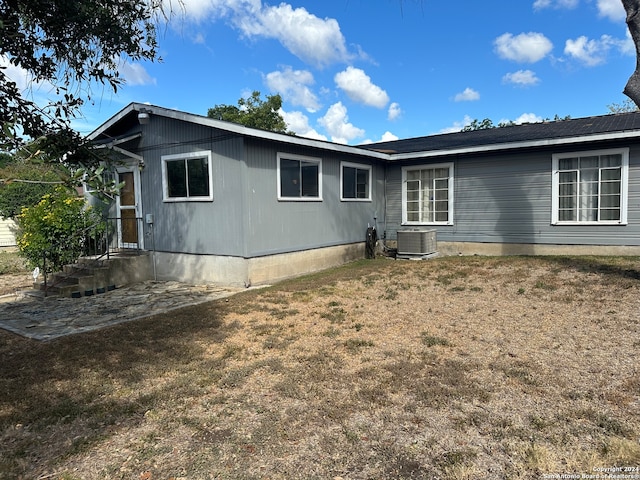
x,y
129,209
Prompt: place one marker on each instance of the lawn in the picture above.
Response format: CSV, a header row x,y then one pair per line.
x,y
453,368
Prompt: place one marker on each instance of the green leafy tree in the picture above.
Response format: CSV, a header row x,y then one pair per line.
x,y
479,125
23,184
253,112
69,45
487,123
52,233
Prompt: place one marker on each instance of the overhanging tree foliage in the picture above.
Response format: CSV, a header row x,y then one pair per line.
x,y
67,46
253,112
23,184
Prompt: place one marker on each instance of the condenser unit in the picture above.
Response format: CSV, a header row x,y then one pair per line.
x,y
416,242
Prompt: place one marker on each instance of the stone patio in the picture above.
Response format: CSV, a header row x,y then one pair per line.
x,y
54,317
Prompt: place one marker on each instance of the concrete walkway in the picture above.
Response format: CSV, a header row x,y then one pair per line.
x,y
50,318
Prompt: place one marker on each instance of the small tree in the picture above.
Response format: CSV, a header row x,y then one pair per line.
x,y
253,112
52,233
625,106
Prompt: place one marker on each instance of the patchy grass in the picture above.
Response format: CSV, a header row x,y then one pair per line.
x,y
454,368
11,262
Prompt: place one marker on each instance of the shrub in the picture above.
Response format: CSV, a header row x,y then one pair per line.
x,y
52,233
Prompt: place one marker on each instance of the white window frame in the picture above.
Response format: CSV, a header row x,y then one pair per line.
x,y
186,156
624,180
358,166
450,192
300,158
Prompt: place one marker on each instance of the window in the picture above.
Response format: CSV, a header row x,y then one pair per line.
x,y
187,177
427,194
590,187
356,181
299,178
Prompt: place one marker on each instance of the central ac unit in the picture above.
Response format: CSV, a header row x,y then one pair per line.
x,y
417,241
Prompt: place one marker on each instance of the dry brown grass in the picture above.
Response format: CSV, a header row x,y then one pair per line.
x,y
456,368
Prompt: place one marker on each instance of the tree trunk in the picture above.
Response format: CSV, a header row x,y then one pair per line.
x,y
632,89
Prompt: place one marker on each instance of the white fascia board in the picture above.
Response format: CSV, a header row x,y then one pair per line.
x,y
517,145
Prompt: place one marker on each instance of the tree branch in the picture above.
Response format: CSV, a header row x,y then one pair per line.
x,y
632,88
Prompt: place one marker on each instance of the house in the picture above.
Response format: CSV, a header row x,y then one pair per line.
x,y
220,202
7,234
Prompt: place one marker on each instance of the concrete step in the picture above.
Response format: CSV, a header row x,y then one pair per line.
x,y
60,289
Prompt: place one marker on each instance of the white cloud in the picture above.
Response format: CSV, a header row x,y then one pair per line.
x,y
201,10
528,118
312,39
457,126
293,86
336,122
523,48
612,9
388,137
318,41
22,78
467,95
298,122
594,52
541,4
627,47
522,78
135,74
394,111
357,85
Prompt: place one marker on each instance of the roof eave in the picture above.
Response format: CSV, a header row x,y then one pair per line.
x,y
234,128
517,145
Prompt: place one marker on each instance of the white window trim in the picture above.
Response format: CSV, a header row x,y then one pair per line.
x,y
449,187
186,156
624,181
359,166
302,158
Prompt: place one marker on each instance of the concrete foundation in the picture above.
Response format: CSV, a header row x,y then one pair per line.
x,y
123,269
199,269
496,249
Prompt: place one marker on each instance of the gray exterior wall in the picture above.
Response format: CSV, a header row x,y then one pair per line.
x,y
192,227
506,198
277,226
245,218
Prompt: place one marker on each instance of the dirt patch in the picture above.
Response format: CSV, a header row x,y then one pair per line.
x,y
457,368
13,282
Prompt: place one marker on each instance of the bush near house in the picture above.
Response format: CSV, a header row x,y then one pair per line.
x,y
52,233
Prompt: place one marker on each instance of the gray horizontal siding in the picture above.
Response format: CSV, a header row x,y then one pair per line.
x,y
507,199
245,218
499,198
194,227
274,226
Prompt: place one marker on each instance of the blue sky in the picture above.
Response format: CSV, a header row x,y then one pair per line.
x,y
355,71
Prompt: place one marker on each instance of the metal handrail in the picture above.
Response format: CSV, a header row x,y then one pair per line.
x,y
101,240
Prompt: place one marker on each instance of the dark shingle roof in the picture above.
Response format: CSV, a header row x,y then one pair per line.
x,y
579,127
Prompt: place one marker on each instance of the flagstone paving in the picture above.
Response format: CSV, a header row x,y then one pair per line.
x,y
54,317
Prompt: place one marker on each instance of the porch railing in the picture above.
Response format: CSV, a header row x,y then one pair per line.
x,y
114,235
101,240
